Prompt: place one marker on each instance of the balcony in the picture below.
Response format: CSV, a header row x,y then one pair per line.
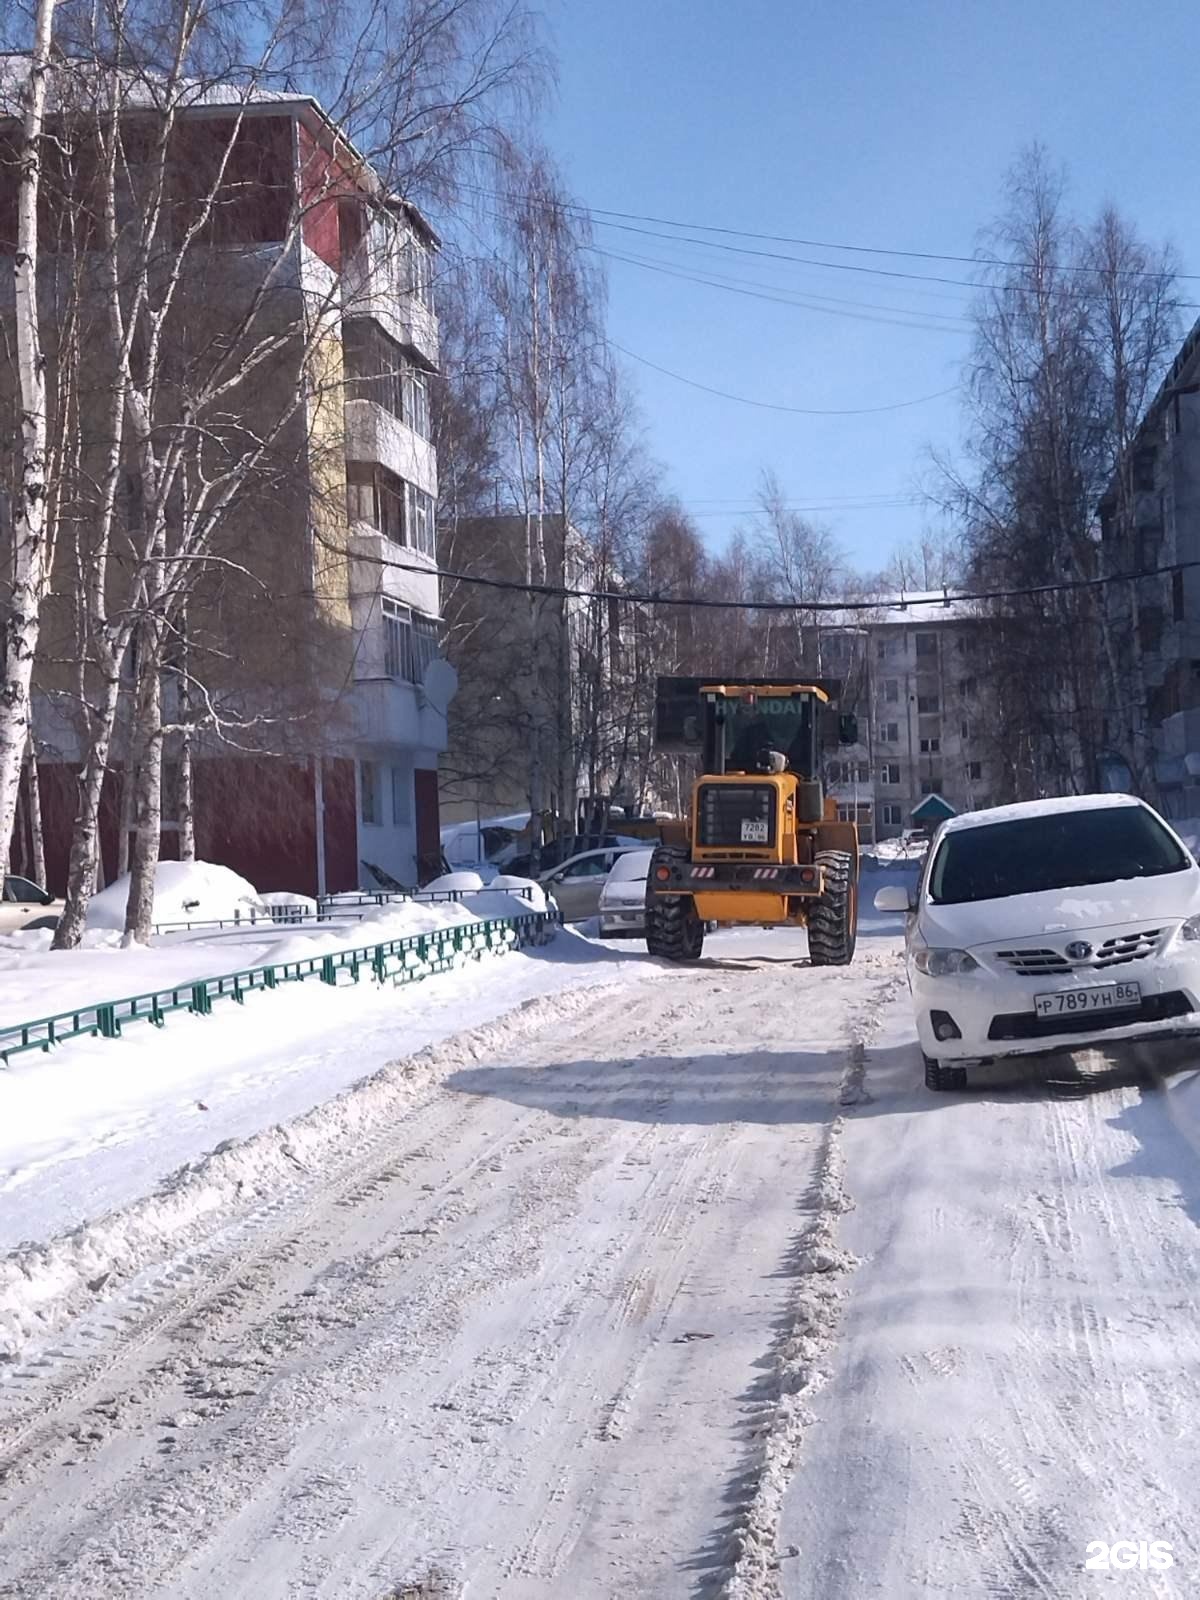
x,y
374,434
388,713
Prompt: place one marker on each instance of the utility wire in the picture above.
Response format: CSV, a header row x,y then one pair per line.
x,y
892,316
771,405
945,597
598,212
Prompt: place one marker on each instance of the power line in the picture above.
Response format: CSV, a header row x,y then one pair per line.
x,y
772,405
894,316
600,212
945,598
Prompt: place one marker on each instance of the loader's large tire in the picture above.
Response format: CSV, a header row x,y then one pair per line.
x,y
833,920
673,930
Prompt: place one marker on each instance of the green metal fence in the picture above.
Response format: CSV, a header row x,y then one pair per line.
x,y
417,955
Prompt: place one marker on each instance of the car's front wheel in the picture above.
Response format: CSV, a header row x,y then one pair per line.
x,y
939,1076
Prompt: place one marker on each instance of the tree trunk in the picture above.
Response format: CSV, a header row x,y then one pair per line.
x,y
125,821
37,838
148,742
185,800
30,522
85,835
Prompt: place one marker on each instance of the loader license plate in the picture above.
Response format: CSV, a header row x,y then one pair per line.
x,y
754,830
1106,997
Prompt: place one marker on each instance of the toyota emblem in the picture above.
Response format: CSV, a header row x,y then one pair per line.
x,y
1078,951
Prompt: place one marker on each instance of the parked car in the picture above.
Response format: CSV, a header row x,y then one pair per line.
x,y
622,904
556,851
575,886
1050,925
26,906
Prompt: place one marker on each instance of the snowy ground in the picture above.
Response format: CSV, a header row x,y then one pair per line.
x,y
667,1283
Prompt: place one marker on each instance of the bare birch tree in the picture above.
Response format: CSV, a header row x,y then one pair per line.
x,y
31,531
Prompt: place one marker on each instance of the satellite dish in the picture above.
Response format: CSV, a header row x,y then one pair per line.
x,y
439,684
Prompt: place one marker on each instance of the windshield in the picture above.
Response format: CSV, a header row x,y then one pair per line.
x,y
783,724
1063,850
632,865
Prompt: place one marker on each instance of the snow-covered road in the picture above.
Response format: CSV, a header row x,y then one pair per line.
x,y
575,1308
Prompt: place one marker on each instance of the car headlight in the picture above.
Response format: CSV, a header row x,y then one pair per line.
x,y
1190,929
942,963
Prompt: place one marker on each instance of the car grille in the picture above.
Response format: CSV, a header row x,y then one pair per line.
x,y
1125,947
723,807
1027,1025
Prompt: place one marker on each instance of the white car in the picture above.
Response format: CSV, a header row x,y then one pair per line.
x,y
1050,925
575,885
623,897
26,906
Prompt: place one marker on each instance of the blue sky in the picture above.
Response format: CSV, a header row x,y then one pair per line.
x,y
880,122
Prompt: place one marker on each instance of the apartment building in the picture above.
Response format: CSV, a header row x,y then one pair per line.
x,y
913,672
329,655
1150,518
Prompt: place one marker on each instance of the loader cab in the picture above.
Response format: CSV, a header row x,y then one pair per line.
x,y
750,728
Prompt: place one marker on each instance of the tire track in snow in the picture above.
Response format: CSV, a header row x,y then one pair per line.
x,y
796,1371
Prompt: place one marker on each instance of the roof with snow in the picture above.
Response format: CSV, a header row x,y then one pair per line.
x,y
921,608
1039,808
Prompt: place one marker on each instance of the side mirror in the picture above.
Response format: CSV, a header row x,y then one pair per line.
x,y
895,897
47,898
848,728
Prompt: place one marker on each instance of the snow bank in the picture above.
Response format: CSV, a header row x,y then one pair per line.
x,y
454,881
184,891
281,903
526,888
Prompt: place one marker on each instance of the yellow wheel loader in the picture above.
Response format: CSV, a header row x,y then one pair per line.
x,y
761,844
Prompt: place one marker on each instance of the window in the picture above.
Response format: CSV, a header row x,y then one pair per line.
x,y
594,866
1064,850
416,271
928,704
422,534
374,365
1177,596
927,647
881,650
368,778
890,733
416,400
930,747
974,770
931,786
24,893
891,690
1150,627
892,816
401,795
889,772
965,730
377,369
410,642
834,771
398,510
967,687
862,773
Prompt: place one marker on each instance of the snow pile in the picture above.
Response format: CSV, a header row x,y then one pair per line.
x,y
525,888
184,891
454,882
287,907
